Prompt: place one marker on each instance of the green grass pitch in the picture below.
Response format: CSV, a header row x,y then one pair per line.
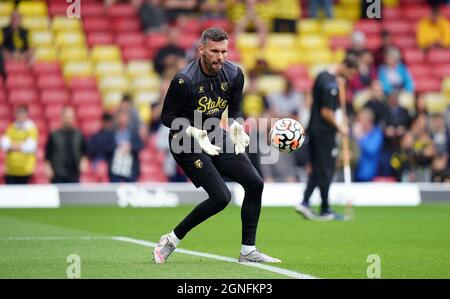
x,y
412,242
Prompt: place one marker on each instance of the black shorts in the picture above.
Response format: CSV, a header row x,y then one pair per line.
x,y
323,151
197,165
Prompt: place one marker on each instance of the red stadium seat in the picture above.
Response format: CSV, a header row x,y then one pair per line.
x,y
57,96
53,111
2,97
91,24
89,127
187,41
438,56
50,82
122,10
130,39
368,27
191,26
34,110
222,23
156,40
99,38
373,42
427,85
17,67
340,42
47,68
135,52
92,10
296,72
57,9
22,96
4,123
88,178
86,97
389,13
405,41
442,71
415,12
126,25
233,55
399,27
420,70
78,83
5,112
91,112
19,81
413,56
303,85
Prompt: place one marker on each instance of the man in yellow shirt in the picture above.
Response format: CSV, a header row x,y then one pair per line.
x,y
433,30
20,145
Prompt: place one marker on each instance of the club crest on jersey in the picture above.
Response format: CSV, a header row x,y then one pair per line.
x,y
201,89
224,86
198,163
180,81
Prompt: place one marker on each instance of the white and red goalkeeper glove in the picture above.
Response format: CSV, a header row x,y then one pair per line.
x,y
201,136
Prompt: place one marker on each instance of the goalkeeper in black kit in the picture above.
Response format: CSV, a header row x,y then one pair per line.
x,y
193,107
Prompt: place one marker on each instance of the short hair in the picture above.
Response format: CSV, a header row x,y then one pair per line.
x,y
351,62
214,34
126,98
22,108
107,117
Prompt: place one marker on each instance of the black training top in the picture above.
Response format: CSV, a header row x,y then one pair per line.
x,y
193,92
325,95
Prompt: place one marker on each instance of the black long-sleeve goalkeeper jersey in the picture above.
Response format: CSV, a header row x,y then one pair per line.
x,y
193,92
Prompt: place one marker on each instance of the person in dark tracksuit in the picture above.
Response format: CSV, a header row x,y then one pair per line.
x,y
321,133
193,107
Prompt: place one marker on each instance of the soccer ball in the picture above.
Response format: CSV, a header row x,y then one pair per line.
x,y
287,135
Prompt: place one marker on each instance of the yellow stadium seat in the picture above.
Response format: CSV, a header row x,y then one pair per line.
x,y
247,40
446,85
281,40
40,38
113,84
337,27
111,100
435,102
350,2
139,68
278,59
105,53
108,68
360,99
147,83
60,23
77,69
315,69
70,39
146,97
317,57
4,20
68,54
339,55
406,100
35,23
144,112
270,83
308,26
347,13
6,8
313,42
45,54
35,8
390,3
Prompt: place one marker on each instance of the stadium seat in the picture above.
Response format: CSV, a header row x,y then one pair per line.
x,y
136,53
122,10
400,27
126,25
89,112
308,26
222,23
337,27
70,39
340,42
156,40
57,9
45,54
413,56
56,96
270,83
92,10
147,83
35,23
68,54
146,97
189,26
37,8
83,83
312,42
40,38
187,41
86,97
369,27
446,85
108,68
296,72
392,13
50,82
438,56
96,24
427,85
442,70
415,12
6,8
22,96
139,68
130,39
105,53
111,99
53,111
89,127
373,42
46,68
116,83
99,38
77,69
19,81
435,102
16,67
61,23
4,20
5,112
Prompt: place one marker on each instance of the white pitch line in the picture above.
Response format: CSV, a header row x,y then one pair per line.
x,y
273,269
55,238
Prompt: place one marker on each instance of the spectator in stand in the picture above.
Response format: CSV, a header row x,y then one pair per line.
x,y
135,121
357,44
367,73
439,133
433,30
424,148
420,105
153,16
169,55
252,18
403,160
96,142
177,8
396,126
261,68
377,105
122,147
15,39
325,5
370,141
386,43
440,170
20,145
213,9
393,74
65,152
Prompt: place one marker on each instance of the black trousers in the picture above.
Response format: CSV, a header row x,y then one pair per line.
x,y
16,180
208,172
323,153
